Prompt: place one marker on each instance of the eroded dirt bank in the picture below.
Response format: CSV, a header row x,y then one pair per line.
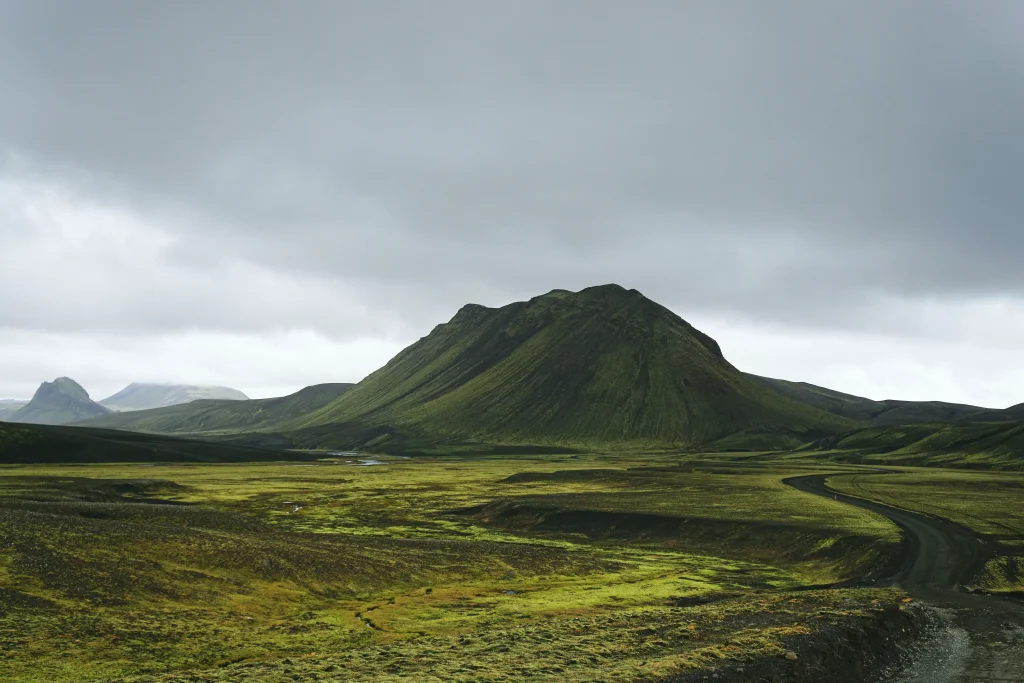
x,y
863,649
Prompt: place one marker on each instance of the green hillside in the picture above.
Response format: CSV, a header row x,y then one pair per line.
x,y
224,416
604,365
888,412
998,445
1011,414
835,402
61,401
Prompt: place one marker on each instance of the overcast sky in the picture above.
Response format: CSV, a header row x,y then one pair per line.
x,y
272,194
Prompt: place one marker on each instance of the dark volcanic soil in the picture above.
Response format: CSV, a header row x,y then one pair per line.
x,y
979,637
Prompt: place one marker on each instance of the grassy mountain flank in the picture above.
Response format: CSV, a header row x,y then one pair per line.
x,y
61,401
888,412
1015,412
142,396
603,365
30,443
995,445
224,416
835,402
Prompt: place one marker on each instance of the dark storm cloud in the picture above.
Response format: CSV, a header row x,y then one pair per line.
x,y
797,160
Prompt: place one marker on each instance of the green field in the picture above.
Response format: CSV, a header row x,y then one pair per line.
x,y
581,567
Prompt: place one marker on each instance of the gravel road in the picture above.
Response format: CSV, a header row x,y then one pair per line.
x,y
982,637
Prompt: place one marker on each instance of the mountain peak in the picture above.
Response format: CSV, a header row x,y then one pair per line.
x,y
610,288
471,312
61,401
65,385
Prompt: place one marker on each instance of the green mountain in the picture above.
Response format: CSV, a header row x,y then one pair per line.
x,y
61,401
888,412
224,416
601,366
142,396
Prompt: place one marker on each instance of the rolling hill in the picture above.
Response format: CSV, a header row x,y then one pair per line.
x,y
600,366
61,401
224,416
984,445
888,412
142,396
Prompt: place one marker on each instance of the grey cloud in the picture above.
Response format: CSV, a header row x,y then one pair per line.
x,y
797,160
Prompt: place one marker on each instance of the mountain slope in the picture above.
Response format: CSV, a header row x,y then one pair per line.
x,y
224,416
888,412
1011,414
142,396
604,365
61,401
997,445
835,402
9,406
1015,412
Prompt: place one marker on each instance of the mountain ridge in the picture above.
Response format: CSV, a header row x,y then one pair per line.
x,y
888,412
147,395
217,416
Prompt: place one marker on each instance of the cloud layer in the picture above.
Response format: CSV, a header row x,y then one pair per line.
x,y
839,171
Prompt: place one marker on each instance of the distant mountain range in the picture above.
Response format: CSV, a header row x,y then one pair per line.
x,y
141,396
206,416
64,401
604,367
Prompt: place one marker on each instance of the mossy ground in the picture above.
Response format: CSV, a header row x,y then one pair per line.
x,y
335,571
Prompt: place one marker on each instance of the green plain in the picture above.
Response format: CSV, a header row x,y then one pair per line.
x,y
409,569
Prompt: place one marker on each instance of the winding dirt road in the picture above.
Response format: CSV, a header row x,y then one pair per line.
x,y
983,636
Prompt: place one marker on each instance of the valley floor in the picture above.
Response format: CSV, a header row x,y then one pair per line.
x,y
563,567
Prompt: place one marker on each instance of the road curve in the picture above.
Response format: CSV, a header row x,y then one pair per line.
x,y
940,557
